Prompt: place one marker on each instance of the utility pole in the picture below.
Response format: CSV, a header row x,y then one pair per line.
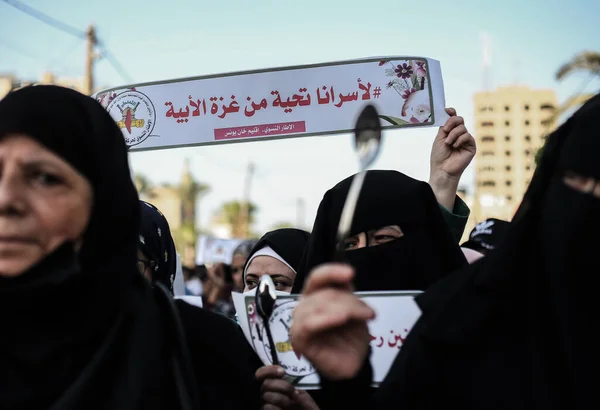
x,y
90,57
245,209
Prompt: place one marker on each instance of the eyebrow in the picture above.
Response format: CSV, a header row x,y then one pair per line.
x,y
277,275
42,163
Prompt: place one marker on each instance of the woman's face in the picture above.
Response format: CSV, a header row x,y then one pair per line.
x,y
44,202
283,277
237,270
145,265
373,237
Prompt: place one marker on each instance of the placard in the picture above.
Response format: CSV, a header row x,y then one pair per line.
x,y
277,103
397,312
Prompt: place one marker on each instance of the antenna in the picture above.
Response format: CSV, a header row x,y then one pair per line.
x,y
486,60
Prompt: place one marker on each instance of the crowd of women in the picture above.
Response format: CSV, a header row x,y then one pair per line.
x,y
87,273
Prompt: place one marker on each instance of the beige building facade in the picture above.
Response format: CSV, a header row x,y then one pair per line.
x,y
510,126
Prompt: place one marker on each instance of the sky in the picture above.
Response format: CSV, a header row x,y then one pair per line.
x,y
158,40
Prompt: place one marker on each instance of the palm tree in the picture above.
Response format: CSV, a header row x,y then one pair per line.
x,y
230,214
587,61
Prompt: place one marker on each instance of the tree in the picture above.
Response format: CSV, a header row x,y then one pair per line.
x,y
230,214
282,225
143,185
588,61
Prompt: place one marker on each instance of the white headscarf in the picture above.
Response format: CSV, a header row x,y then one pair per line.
x,y
266,251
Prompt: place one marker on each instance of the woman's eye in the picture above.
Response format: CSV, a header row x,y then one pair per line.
x,y
250,284
386,235
46,178
279,285
387,238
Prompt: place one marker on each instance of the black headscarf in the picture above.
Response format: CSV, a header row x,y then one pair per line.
x,y
289,243
528,305
82,329
156,242
423,255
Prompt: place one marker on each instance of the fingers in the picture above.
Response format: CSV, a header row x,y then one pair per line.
x,y
328,309
451,123
278,393
275,372
455,134
451,111
327,276
278,386
465,141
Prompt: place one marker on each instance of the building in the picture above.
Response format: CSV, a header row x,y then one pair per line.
x,y
510,126
10,82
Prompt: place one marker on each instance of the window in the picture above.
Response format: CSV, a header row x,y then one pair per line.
x,y
487,124
507,123
488,168
527,152
508,167
507,138
485,108
528,168
526,107
507,152
506,108
546,122
509,198
487,153
527,122
527,138
508,182
488,183
487,138
547,106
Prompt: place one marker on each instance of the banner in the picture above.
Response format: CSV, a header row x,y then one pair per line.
x,y
397,312
211,250
277,103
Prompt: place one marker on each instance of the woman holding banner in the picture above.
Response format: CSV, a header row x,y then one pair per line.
x,y
82,328
401,237
512,331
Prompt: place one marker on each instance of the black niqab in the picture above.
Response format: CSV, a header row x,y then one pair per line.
x,y
157,244
516,329
423,255
82,329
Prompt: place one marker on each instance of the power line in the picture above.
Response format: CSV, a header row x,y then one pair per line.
x,y
104,52
66,28
18,49
57,24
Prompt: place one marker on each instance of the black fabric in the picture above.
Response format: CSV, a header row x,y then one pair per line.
x,y
83,330
486,235
423,255
224,361
157,244
289,243
516,329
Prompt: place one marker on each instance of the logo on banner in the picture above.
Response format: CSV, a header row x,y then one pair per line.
x,y
135,115
280,324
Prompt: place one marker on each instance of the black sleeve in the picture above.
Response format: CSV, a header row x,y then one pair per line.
x,y
223,361
355,393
